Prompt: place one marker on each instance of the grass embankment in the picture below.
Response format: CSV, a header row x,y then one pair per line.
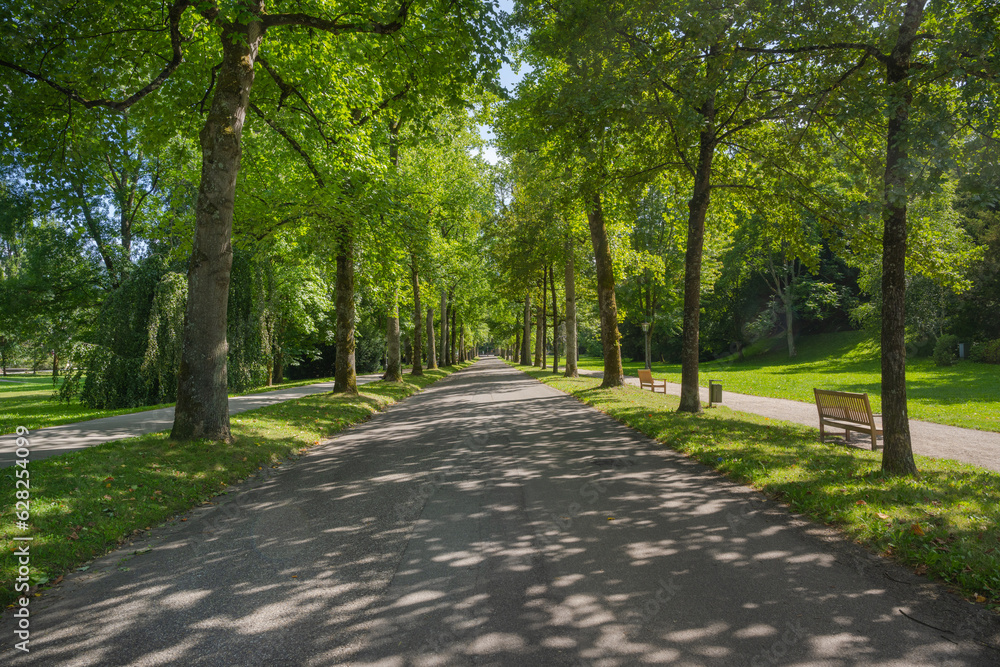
x,y
945,524
32,401
967,394
83,504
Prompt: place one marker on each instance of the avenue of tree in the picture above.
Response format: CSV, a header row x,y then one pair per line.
x,y
204,197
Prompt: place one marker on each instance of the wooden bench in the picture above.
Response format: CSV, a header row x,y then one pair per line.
x,y
851,412
646,380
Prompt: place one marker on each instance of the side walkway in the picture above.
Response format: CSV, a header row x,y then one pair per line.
x,y
980,448
54,440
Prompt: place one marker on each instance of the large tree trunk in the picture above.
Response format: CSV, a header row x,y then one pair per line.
x,y
571,344
697,210
345,380
431,351
417,317
897,455
610,338
393,362
526,340
555,321
202,409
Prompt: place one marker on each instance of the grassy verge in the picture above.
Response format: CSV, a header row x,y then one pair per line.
x,y
945,524
85,503
32,402
966,394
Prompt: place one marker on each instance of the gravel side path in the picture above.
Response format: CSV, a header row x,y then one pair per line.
x,y
55,440
980,448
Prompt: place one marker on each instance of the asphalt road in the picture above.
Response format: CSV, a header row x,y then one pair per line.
x,y
491,520
55,440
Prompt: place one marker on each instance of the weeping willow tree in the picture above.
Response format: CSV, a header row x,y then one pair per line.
x,y
135,350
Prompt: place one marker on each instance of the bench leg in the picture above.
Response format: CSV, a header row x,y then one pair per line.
x,y
847,435
822,433
873,440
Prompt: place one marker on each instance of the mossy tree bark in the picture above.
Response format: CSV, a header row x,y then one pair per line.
x,y
417,346
526,339
202,409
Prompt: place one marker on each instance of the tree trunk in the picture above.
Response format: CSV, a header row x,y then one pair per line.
x,y
897,453
571,344
345,380
444,327
516,356
789,322
393,362
202,409
697,210
55,365
555,321
417,316
543,321
614,376
454,340
526,340
431,351
278,367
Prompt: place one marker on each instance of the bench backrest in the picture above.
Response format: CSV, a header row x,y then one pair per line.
x,y
844,405
645,377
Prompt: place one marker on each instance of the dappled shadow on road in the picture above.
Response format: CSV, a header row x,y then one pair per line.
x,y
486,521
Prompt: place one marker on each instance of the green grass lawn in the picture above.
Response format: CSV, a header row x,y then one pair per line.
x,y
967,394
83,504
945,524
32,401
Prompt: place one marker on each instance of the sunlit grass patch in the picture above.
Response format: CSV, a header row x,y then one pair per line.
x,y
966,394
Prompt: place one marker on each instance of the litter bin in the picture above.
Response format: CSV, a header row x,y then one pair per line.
x,y
714,392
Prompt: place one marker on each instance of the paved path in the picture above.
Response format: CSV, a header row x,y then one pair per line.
x,y
491,520
980,448
54,440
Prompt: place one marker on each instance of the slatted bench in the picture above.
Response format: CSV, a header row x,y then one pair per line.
x,y
846,410
646,380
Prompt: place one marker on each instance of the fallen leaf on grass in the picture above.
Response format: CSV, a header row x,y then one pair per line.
x,y
917,530
861,502
980,598
883,516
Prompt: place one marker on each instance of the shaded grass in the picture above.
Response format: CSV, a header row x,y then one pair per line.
x,y
86,503
967,394
945,524
32,402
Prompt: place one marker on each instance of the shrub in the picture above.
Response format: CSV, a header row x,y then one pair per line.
x,y
945,350
988,352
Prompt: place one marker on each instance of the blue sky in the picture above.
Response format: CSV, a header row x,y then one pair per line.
x,y
508,79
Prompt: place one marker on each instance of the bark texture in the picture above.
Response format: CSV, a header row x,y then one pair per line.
x,y
526,339
444,327
610,338
417,317
897,456
393,361
345,380
555,322
697,210
202,389
570,280
454,339
431,351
